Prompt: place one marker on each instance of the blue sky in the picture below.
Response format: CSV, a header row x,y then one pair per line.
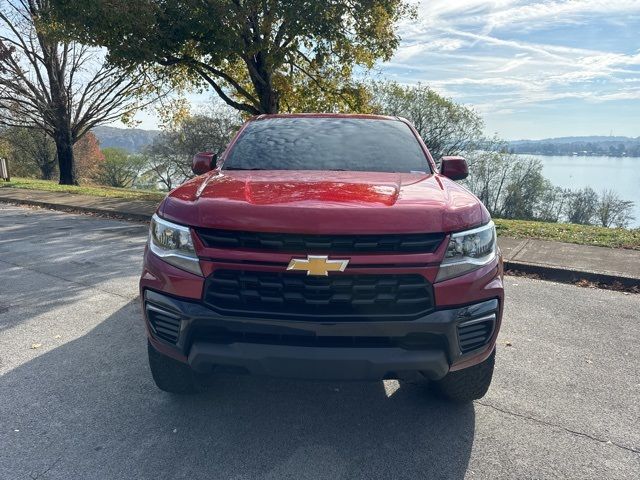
x,y
533,69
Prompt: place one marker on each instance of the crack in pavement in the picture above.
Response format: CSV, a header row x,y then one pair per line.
x,y
38,475
561,427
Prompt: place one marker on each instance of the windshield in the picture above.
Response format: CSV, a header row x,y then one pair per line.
x,y
327,143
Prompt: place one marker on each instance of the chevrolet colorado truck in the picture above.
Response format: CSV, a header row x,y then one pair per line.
x,y
324,246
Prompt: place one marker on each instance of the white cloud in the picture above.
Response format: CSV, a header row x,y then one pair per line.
x,y
517,62
628,94
560,12
475,48
492,14
408,50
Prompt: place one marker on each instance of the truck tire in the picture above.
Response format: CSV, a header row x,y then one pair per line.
x,y
469,384
172,376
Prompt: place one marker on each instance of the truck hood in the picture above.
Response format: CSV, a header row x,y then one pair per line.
x,y
317,202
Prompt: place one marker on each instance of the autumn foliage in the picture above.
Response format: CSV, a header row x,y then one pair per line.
x,y
88,157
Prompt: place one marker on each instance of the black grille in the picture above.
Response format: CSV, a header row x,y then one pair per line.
x,y
294,243
474,334
165,325
288,293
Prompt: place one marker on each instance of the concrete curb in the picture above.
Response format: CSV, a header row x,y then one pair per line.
x,y
565,275
139,217
548,272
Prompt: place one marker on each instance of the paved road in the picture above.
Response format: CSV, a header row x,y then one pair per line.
x,y
565,402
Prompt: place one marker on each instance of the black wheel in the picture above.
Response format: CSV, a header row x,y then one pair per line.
x,y
172,376
469,384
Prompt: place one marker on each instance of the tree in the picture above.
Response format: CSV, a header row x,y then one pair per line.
x,y
332,94
169,156
256,54
446,127
59,87
499,179
582,206
489,172
612,211
512,186
88,156
120,169
31,152
167,170
524,191
552,203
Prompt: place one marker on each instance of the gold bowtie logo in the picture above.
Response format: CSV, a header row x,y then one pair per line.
x,y
317,265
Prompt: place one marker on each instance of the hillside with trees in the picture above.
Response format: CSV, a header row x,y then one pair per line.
x,y
133,140
583,146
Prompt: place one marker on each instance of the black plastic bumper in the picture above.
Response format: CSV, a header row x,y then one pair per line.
x,y
326,363
317,349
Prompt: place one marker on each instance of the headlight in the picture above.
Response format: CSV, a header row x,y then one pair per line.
x,y
468,251
173,243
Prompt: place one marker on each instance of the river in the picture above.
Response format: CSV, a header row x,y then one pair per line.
x,y
620,174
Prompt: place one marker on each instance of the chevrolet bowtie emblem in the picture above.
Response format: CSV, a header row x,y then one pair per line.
x,y
317,265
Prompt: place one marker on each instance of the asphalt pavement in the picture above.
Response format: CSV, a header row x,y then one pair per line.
x,y
77,399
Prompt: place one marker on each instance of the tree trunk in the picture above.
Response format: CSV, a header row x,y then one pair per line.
x,y
66,161
47,172
269,101
262,81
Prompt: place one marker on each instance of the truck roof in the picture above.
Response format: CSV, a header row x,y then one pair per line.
x,y
328,115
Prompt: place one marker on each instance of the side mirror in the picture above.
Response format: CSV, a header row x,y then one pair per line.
x,y
203,162
454,167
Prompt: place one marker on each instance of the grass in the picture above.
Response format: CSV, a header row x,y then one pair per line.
x,y
561,232
570,233
88,189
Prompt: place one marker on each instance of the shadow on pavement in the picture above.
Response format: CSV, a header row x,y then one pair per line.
x,y
55,258
88,409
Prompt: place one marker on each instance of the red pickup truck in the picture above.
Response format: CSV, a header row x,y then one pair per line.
x,y
324,246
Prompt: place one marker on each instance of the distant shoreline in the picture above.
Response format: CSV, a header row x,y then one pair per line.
x,y
591,146
539,154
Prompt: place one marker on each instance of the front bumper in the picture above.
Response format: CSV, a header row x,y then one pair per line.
x,y
433,344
